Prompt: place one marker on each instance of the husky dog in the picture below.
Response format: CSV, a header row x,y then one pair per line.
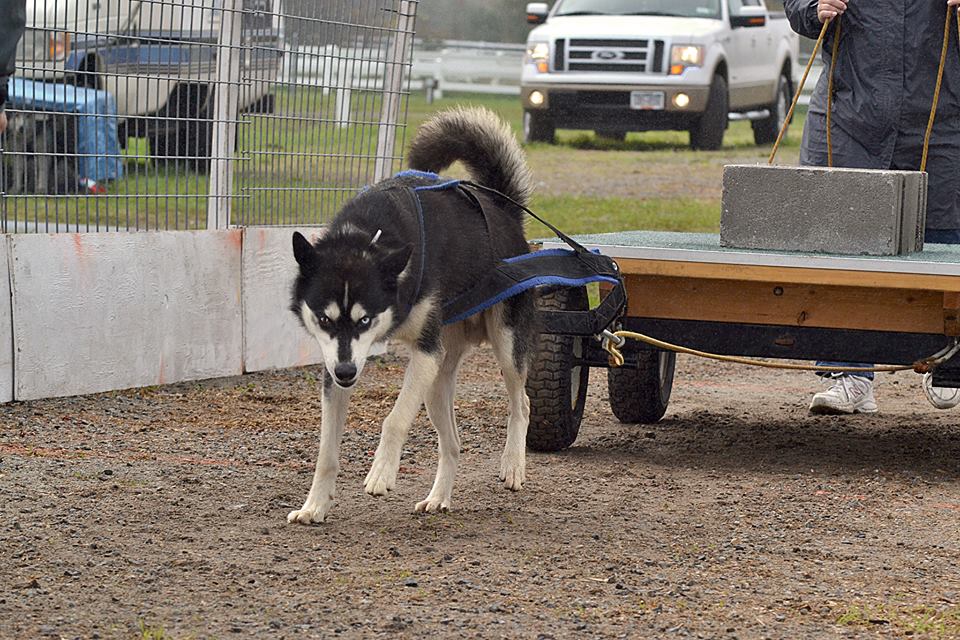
x,y
384,268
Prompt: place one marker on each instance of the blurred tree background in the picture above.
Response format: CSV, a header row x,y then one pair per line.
x,y
487,20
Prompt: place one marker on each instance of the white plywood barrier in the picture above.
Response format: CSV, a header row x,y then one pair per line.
x,y
6,325
273,338
100,311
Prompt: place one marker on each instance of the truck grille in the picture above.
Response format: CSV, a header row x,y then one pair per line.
x,y
625,56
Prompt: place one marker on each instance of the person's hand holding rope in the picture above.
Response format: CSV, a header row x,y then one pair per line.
x,y
830,9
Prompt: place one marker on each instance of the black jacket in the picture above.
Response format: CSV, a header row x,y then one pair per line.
x,y
13,17
886,67
884,81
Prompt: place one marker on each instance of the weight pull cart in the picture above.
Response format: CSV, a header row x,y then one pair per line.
x,y
686,289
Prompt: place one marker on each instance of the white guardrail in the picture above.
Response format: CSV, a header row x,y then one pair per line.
x,y
449,65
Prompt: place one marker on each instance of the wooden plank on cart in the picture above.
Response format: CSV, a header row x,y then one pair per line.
x,y
936,268
785,304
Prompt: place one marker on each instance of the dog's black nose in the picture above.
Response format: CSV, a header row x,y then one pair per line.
x,y
345,371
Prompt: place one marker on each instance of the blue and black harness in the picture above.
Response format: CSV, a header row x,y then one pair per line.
x,y
573,267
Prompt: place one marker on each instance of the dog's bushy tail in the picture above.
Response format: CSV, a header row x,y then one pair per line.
x,y
479,139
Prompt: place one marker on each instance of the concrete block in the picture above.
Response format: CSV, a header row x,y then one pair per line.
x,y
914,211
100,311
272,336
823,210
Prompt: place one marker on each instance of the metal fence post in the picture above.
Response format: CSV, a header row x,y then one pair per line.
x,y
344,95
226,99
398,59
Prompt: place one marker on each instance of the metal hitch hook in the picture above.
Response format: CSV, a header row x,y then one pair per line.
x,y
611,337
611,344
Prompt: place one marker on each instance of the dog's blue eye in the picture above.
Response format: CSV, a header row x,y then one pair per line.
x,y
364,321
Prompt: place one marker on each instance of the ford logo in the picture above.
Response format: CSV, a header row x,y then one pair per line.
x,y
607,54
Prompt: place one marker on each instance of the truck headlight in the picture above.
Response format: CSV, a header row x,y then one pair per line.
x,y
41,45
58,45
684,56
538,54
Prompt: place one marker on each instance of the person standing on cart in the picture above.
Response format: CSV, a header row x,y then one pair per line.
x,y
884,81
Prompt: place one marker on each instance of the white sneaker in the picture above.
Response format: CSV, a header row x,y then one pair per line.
x,y
940,397
848,394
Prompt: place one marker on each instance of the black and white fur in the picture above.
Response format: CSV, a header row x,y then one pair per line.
x,y
358,286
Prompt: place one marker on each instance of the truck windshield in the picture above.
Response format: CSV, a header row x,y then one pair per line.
x,y
679,8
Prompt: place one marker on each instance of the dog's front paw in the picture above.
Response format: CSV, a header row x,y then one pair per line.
x,y
513,472
433,505
310,513
382,477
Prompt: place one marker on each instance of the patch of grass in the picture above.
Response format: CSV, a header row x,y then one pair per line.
x,y
585,214
904,619
289,155
151,632
738,136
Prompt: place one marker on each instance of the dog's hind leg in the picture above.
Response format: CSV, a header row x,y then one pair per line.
x,y
419,378
334,405
507,342
439,402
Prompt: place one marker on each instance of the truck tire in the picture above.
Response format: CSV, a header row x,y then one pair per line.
x,y
189,142
766,131
186,133
640,395
556,384
618,135
538,127
707,132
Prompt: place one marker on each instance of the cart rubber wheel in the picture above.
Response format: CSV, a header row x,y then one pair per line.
x,y
707,132
557,388
640,395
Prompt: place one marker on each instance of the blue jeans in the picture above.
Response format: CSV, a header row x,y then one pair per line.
x,y
934,236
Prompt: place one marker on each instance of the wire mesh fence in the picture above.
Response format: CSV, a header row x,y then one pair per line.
x,y
191,114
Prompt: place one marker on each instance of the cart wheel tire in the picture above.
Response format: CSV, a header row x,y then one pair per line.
x,y
557,389
538,127
640,395
766,131
707,132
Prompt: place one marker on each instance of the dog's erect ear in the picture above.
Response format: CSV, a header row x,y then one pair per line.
x,y
304,252
396,261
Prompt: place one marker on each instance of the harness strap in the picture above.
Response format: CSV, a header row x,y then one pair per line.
x,y
576,246
422,248
559,267
574,267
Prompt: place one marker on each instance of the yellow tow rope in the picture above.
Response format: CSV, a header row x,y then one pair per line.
x,y
613,341
616,339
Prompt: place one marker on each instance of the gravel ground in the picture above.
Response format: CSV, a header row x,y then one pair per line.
x,y
160,513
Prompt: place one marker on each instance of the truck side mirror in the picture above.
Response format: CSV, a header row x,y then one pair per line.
x,y
749,17
537,12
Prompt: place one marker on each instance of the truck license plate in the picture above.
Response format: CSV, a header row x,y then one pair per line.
x,y
647,100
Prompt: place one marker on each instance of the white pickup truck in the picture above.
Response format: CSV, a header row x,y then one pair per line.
x,y
639,65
